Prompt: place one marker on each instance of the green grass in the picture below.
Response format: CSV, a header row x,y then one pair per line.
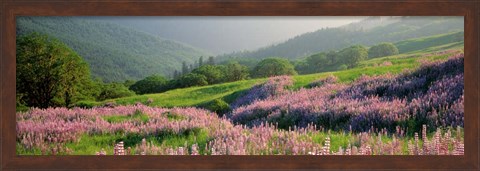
x,y
411,45
192,96
337,139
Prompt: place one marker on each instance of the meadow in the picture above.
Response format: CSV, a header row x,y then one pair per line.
x,y
406,104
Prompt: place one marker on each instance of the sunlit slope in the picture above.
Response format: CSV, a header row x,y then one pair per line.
x,y
195,96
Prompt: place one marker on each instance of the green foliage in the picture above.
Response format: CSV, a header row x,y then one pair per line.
x,y
214,73
382,49
150,84
114,90
193,79
218,106
273,67
49,73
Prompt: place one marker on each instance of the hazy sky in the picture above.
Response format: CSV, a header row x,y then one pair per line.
x,y
227,34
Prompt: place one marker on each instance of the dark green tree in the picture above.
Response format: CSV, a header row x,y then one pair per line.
x,y
235,72
193,79
200,61
382,49
332,58
353,55
317,62
49,73
184,68
213,73
151,84
273,67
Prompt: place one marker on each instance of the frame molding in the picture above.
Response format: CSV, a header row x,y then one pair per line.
x,y
9,9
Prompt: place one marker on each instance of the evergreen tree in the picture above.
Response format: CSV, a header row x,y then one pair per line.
x,y
176,74
211,61
200,61
184,68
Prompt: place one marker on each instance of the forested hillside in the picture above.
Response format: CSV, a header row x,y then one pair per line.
x,y
114,53
385,30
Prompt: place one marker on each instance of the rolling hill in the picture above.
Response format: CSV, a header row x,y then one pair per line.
x,y
114,52
199,96
385,30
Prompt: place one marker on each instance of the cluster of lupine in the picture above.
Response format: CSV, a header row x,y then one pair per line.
x,y
274,86
431,95
35,131
330,79
439,145
266,139
50,129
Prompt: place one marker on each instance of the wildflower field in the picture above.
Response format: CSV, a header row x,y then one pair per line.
x,y
414,112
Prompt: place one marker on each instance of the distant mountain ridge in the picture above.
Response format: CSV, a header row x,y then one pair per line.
x,y
367,32
114,52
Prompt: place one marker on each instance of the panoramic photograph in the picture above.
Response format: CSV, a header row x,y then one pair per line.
x,y
240,85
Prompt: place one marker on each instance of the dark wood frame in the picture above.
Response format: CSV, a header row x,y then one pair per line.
x,y
10,9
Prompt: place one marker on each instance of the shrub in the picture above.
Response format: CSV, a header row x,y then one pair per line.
x,y
218,106
193,79
114,90
85,104
150,84
343,67
382,49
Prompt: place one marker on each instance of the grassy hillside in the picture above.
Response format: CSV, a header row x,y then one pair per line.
x,y
196,96
425,42
115,53
338,38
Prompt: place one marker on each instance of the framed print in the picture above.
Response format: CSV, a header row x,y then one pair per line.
x,y
239,85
